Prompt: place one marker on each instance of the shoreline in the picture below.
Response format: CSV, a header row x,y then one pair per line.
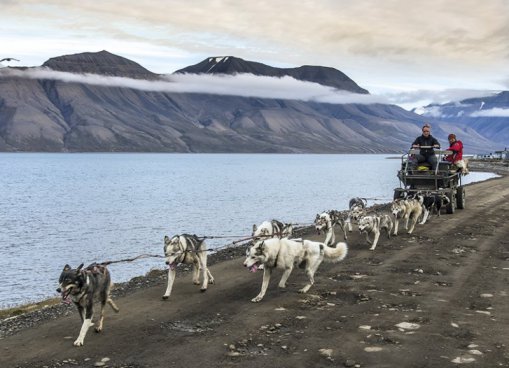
x,y
30,315
436,297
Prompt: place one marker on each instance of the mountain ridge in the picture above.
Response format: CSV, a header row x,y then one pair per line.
x,y
102,63
59,116
477,113
326,76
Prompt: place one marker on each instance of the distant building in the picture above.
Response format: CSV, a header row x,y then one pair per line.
x,y
504,155
496,155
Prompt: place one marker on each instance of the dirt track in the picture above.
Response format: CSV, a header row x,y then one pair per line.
x,y
450,279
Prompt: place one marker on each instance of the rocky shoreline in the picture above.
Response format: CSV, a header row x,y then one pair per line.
x,y
433,298
20,318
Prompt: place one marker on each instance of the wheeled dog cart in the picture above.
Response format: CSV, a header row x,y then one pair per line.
x,y
445,179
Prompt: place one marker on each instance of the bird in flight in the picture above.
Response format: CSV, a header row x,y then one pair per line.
x,y
8,59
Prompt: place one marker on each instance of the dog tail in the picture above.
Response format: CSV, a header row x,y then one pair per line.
x,y
336,254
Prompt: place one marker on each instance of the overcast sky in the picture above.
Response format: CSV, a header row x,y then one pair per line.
x,y
407,51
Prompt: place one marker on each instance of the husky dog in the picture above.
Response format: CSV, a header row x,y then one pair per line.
x,y
187,249
326,222
357,209
373,224
80,286
462,166
269,229
433,203
406,209
286,254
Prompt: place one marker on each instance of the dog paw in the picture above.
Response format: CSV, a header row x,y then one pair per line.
x,y
256,300
98,329
203,290
211,281
282,286
78,342
371,248
303,291
165,297
196,282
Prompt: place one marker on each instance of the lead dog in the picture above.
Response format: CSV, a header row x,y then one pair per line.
x,y
374,224
269,229
286,254
80,286
326,222
357,209
406,209
188,249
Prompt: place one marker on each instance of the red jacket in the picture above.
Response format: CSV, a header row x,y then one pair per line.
x,y
457,152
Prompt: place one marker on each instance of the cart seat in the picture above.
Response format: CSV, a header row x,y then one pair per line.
x,y
446,166
423,166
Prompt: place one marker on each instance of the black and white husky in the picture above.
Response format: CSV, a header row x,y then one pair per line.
x,y
357,209
374,224
433,203
81,286
273,228
287,253
188,249
326,221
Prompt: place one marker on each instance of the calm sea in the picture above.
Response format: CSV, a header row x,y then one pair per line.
x,y
83,208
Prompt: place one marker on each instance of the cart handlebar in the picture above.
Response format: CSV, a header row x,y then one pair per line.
x,y
414,151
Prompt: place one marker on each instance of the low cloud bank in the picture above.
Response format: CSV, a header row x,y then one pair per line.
x,y
494,113
244,85
249,85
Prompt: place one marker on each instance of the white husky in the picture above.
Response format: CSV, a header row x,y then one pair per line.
x,y
406,209
286,254
269,229
357,209
188,249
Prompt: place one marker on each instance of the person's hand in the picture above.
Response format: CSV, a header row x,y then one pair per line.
x,y
415,146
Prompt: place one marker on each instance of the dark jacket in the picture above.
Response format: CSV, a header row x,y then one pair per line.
x,y
426,141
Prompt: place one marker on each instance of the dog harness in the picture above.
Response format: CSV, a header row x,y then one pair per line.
x,y
192,246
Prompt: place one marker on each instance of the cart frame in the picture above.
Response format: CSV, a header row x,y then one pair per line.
x,y
445,179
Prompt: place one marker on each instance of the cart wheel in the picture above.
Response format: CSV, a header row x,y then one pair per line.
x,y
460,198
451,205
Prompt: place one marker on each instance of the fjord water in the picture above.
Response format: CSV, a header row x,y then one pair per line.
x,y
58,209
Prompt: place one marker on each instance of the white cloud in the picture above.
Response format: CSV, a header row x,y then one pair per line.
x,y
437,96
431,111
394,41
492,113
245,85
249,85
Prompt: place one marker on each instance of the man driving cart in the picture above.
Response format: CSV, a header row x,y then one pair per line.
x,y
426,143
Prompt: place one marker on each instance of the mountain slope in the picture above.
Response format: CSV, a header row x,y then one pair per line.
x,y
53,115
487,115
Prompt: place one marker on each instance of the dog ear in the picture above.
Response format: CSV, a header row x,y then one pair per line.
x,y
166,239
66,268
254,228
79,267
261,245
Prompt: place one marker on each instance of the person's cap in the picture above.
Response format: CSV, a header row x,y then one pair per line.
x,y
451,136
